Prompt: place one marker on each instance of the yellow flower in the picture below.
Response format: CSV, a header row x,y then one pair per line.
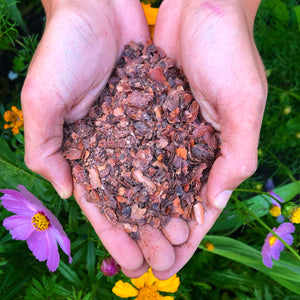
x,y
275,211
209,246
147,287
295,216
15,117
151,14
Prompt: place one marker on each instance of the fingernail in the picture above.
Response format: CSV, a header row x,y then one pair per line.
x,y
222,199
199,213
61,192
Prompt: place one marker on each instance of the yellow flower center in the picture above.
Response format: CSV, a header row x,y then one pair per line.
x,y
15,117
148,293
272,240
40,222
275,211
295,217
209,246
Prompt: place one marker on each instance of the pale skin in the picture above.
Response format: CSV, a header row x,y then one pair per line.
x,y
211,40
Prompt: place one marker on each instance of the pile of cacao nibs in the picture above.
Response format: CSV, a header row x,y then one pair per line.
x,y
143,152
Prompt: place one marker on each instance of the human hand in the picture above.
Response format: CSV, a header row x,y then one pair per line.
x,y
212,41
80,46
73,61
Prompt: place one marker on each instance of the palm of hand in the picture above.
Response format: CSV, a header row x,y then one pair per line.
x,y
214,46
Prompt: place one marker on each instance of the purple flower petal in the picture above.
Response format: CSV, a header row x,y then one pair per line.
x,y
288,238
284,232
276,196
266,255
31,198
15,202
20,227
270,185
38,244
110,267
63,242
43,244
276,249
285,228
53,255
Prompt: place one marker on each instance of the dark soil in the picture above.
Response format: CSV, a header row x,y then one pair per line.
x,y
144,151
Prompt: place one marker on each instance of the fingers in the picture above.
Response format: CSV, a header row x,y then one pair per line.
x,y
176,231
170,10
185,251
138,272
117,242
157,250
152,245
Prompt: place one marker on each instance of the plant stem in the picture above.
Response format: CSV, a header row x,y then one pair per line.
x,y
292,94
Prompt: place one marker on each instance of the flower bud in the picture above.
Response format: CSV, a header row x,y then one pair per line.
x,y
109,267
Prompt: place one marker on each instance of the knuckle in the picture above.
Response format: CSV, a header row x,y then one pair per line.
x,y
247,168
32,163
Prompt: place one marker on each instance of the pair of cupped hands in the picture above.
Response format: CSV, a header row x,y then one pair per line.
x,y
213,43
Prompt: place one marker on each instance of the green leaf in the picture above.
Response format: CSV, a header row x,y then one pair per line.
x,y
297,12
91,259
39,286
232,218
14,172
69,274
285,271
73,218
15,13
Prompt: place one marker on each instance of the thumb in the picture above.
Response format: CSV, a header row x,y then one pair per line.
x,y
238,160
43,127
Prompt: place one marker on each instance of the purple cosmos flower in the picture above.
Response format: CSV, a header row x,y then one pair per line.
x,y
109,267
273,246
37,225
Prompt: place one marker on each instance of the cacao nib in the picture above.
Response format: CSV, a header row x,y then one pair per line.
x,y
144,151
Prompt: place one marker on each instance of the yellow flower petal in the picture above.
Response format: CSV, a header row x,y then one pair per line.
x,y
150,13
170,285
209,246
124,289
15,117
146,279
8,116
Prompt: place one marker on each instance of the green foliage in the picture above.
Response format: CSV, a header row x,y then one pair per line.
x,y
277,31
22,60
234,216
286,271
8,31
234,269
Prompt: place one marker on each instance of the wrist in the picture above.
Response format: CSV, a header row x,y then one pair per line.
x,y
51,5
